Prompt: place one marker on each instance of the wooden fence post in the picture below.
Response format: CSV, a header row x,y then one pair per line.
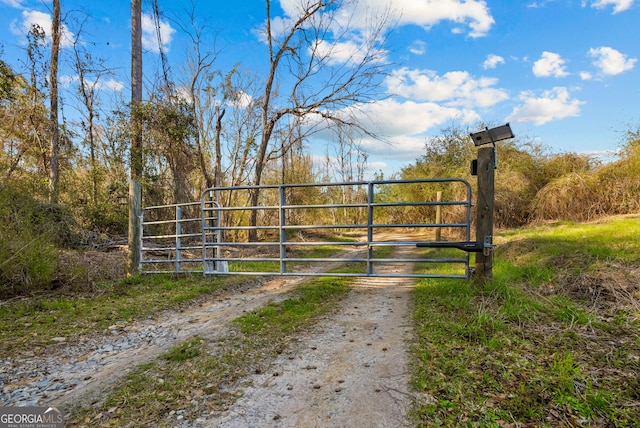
x,y
135,228
438,216
484,212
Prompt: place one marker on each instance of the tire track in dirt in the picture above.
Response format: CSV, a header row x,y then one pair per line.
x,y
351,371
208,320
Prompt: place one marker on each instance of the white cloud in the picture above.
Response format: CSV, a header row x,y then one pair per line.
x,y
492,61
455,88
392,118
399,148
554,104
242,100
44,21
427,13
352,23
618,5
611,62
405,126
585,75
348,52
12,3
549,65
67,81
403,123
150,35
418,47
114,85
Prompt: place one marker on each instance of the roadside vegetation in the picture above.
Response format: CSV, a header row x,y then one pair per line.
x,y
553,340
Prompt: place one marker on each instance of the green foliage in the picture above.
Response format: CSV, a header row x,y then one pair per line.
x,y
587,195
8,82
530,182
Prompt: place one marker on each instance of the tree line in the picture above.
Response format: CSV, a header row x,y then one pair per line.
x,y
200,128
64,177
534,184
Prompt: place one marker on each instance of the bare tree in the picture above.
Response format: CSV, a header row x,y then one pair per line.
x,y
207,113
319,86
90,71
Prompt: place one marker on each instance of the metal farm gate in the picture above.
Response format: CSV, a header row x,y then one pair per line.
x,y
349,230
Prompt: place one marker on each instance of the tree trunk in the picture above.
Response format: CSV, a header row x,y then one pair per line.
x,y
136,88
53,98
218,169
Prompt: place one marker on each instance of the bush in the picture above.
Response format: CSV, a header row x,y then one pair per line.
x,y
588,195
27,243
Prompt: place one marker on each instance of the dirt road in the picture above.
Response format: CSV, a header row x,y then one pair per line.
x,y
351,371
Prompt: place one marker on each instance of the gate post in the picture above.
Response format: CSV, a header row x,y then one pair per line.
x,y
178,237
135,228
484,212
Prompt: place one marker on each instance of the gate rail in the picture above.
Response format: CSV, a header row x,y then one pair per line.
x,y
189,237
277,250
176,238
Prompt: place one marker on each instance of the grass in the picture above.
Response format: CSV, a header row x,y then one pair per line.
x,y
204,373
32,324
525,350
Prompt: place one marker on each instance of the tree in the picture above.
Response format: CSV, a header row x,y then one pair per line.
x,y
200,73
170,141
23,119
319,86
136,88
53,109
90,71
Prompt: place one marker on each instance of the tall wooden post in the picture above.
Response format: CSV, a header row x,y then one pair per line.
x,y
135,228
135,194
438,216
484,210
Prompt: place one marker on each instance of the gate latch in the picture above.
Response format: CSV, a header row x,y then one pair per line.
x,y
470,247
488,246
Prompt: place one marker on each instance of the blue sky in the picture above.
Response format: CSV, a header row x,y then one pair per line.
x,y
562,72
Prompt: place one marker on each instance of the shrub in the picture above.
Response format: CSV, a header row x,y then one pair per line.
x,y
27,243
587,195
